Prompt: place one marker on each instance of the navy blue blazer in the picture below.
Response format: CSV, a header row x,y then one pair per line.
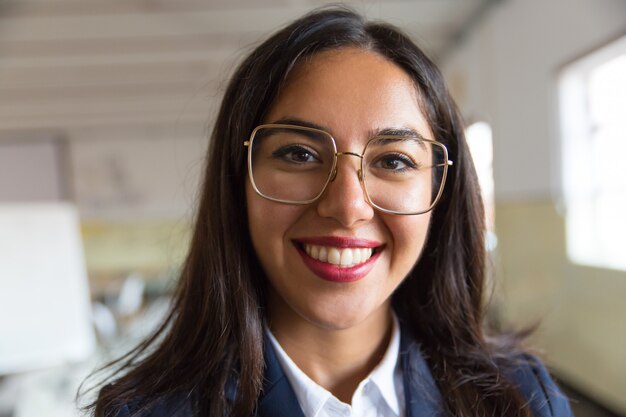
x,y
422,395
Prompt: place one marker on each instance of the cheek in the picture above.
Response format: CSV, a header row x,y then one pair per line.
x,y
269,223
409,236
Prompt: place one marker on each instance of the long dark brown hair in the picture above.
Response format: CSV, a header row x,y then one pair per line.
x,y
214,331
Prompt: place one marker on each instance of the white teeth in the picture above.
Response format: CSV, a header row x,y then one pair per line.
x,y
356,256
334,256
343,257
346,257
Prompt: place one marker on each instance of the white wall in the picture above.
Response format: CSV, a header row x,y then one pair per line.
x,y
136,172
505,72
19,181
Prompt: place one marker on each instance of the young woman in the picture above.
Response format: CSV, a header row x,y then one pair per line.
x,y
337,263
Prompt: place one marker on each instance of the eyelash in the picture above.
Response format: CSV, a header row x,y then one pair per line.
x,y
410,164
282,152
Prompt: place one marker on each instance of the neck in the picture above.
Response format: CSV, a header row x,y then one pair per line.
x,y
336,359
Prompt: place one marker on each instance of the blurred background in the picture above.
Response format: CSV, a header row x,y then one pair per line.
x,y
105,109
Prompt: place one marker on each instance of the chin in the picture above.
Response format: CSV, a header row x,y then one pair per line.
x,y
341,318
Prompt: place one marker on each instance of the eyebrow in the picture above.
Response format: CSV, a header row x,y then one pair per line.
x,y
400,132
299,122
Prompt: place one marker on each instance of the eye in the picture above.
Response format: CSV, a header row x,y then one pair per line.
x,y
298,154
397,162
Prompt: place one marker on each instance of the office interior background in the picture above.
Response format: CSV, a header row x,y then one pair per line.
x,y
105,109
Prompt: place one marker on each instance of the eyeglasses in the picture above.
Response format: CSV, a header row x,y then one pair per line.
x,y
294,164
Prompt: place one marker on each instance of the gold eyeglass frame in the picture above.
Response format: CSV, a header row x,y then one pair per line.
x,y
333,171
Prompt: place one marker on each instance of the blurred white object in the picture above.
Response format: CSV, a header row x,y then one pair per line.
x,y
104,322
45,315
49,393
131,295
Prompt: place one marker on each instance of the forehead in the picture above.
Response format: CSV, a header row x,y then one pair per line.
x,y
351,93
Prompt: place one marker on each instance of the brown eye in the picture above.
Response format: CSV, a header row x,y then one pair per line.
x,y
297,154
395,162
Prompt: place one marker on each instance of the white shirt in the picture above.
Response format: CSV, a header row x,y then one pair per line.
x,y
380,394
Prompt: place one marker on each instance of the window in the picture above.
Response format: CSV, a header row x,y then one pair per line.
x,y
593,132
479,140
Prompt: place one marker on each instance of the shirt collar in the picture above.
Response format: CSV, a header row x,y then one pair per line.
x,y
387,373
387,376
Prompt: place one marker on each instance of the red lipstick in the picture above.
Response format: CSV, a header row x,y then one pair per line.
x,y
334,273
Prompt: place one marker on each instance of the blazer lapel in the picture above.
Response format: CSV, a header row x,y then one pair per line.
x,y
277,398
420,390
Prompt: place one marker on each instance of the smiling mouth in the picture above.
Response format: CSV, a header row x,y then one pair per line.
x,y
341,257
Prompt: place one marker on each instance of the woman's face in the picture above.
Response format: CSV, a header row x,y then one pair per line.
x,y
352,94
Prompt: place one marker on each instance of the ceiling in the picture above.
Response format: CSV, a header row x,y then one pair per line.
x,y
98,63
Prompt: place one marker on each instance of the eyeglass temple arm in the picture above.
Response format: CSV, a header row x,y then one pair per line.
x,y
449,163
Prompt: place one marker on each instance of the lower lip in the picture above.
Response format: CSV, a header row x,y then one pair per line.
x,y
334,273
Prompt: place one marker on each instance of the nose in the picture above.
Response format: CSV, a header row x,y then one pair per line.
x,y
344,198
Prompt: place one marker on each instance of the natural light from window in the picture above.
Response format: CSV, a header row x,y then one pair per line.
x,y
480,142
593,127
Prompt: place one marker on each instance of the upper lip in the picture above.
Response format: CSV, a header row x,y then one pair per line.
x,y
339,241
